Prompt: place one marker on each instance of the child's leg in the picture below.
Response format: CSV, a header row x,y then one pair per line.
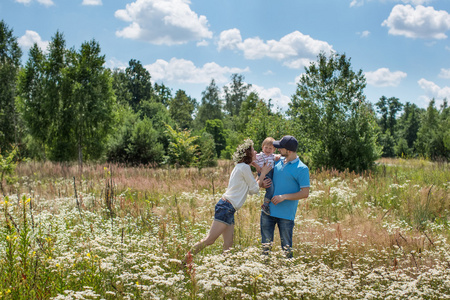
x,y
270,190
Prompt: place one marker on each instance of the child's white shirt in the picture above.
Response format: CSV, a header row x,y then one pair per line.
x,y
262,158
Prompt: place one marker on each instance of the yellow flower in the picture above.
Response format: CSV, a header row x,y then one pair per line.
x,y
28,200
137,282
88,255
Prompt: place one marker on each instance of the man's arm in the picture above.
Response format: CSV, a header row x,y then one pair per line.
x,y
302,194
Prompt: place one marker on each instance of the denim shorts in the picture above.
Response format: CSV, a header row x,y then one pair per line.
x,y
224,212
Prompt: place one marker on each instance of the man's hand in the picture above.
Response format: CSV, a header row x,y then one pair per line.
x,y
267,182
278,199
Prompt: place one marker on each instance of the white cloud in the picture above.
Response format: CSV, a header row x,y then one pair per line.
x,y
364,34
355,3
295,49
43,2
162,22
202,43
297,79
432,90
298,63
279,100
445,73
416,2
27,41
384,77
185,71
229,39
419,22
114,63
92,2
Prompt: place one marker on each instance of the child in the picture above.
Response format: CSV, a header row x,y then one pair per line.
x,y
268,157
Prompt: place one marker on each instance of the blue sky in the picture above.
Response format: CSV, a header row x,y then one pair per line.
x,y
402,46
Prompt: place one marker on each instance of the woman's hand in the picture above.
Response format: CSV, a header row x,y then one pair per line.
x,y
258,168
265,169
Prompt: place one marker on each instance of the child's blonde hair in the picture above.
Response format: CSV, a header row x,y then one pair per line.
x,y
268,141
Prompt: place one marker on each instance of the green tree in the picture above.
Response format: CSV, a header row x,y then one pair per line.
x,y
216,129
160,116
144,146
383,110
432,132
162,94
8,164
10,55
136,139
235,94
211,106
388,109
332,116
57,91
247,108
408,126
138,83
182,148
67,100
181,108
262,123
32,102
120,87
445,125
206,151
394,108
91,101
387,141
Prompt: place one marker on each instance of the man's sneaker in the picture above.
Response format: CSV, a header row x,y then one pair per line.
x,y
265,209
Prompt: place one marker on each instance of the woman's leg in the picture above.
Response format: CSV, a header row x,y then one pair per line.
x,y
217,228
228,237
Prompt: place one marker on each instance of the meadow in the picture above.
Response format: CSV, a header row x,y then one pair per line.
x,y
116,232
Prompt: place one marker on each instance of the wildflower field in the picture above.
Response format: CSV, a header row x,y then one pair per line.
x,y
112,232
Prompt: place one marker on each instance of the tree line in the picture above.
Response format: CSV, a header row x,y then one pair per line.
x,y
65,105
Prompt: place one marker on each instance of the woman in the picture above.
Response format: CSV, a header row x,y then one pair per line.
x,y
240,184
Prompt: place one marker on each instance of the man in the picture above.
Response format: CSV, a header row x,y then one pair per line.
x,y
291,182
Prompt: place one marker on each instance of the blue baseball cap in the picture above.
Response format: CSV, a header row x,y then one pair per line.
x,y
288,142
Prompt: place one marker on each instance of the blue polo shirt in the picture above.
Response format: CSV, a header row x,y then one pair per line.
x,y
287,179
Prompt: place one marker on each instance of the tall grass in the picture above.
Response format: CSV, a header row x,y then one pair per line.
x,y
120,233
